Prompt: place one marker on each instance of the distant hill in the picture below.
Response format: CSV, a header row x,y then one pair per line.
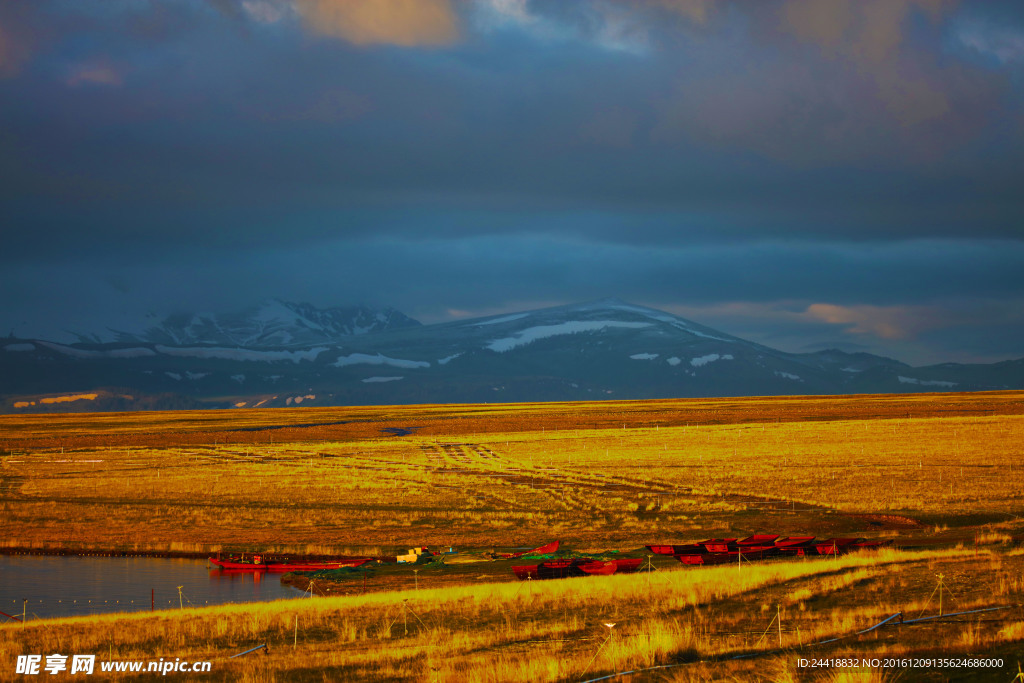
x,y
294,354
274,323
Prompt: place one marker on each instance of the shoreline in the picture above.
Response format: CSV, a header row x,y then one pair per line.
x,y
170,554
65,552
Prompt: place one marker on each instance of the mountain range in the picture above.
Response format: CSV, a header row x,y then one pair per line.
x,y
272,323
281,353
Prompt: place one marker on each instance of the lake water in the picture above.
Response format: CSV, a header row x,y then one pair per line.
x,y
70,586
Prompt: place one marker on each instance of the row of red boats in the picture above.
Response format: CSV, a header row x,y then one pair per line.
x,y
711,551
760,546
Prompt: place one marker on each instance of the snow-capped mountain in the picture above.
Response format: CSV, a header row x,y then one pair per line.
x,y
288,354
272,324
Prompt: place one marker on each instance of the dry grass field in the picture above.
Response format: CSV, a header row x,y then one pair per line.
x,y
939,475
519,475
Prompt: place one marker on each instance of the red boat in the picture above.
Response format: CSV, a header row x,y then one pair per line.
x,y
795,545
758,539
837,546
663,549
691,548
598,568
560,569
628,565
719,545
545,549
552,569
260,564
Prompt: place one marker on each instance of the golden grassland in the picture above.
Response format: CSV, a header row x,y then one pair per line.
x,y
921,470
693,620
599,487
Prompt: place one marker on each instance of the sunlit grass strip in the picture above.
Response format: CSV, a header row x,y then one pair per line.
x,y
492,632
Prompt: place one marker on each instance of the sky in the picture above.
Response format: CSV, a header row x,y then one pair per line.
x,y
806,174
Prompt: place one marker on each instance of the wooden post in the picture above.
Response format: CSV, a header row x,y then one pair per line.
x,y
295,639
778,616
940,595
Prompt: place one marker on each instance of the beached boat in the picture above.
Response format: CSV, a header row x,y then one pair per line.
x,y
758,539
577,566
545,549
799,546
837,546
719,545
688,549
259,563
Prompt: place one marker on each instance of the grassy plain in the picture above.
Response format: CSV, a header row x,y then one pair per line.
x,y
595,475
939,471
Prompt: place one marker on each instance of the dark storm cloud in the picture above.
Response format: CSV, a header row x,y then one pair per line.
x,y
182,127
829,167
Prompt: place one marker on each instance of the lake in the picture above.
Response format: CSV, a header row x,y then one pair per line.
x,y
57,586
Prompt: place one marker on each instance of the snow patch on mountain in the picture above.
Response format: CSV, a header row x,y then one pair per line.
x,y
788,375
925,382
644,356
709,358
653,314
673,361
369,380
532,334
242,354
448,359
195,375
378,359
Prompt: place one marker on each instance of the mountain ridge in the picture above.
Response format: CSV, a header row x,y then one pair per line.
x,y
593,350
271,323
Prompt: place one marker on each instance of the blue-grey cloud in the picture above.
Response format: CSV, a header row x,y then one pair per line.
x,y
709,154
